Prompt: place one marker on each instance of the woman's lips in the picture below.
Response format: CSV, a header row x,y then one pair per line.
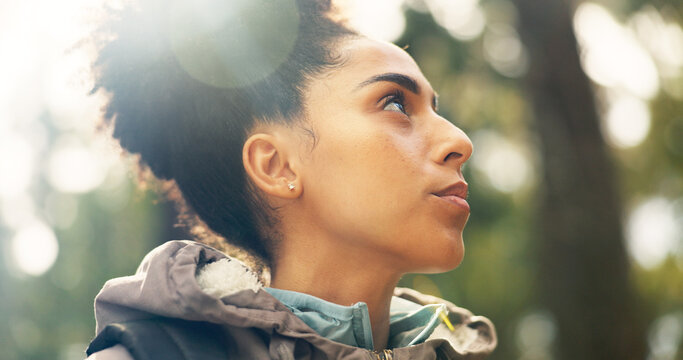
x,y
456,201
456,195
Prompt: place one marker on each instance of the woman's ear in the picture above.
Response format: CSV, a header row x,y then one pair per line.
x,y
266,160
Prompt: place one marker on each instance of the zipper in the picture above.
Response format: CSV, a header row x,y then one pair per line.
x,y
385,354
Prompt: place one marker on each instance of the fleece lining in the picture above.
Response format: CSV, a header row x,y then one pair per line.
x,y
226,277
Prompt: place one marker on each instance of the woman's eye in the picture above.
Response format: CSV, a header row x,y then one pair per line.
x,y
395,103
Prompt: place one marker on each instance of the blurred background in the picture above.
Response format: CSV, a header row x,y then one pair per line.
x,y
575,108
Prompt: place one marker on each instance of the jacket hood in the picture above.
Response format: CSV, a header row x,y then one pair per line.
x,y
191,281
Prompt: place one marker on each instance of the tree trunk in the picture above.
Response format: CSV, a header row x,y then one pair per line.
x,y
584,270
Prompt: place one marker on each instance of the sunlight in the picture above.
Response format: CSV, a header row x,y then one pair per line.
x,y
505,164
463,19
664,40
627,122
611,55
44,78
34,248
61,209
16,164
535,334
74,168
652,232
18,210
503,49
665,336
378,19
225,46
19,88
66,87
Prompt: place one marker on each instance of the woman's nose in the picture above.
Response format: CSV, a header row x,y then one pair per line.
x,y
452,145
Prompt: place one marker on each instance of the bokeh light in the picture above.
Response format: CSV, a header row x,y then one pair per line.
x,y
611,54
26,333
222,43
34,248
664,40
665,336
378,19
61,210
74,168
504,163
463,19
627,121
653,232
17,211
16,164
535,336
503,49
66,90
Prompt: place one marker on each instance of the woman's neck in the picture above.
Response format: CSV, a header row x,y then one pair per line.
x,y
339,275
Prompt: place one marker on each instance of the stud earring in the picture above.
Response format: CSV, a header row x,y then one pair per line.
x,y
291,186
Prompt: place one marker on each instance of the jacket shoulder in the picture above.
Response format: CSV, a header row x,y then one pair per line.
x,y
116,352
160,338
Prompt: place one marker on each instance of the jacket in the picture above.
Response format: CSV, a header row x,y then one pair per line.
x,y
170,283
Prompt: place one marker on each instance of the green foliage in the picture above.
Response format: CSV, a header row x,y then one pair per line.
x,y
51,316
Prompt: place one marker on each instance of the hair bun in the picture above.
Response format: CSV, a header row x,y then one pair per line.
x,y
187,79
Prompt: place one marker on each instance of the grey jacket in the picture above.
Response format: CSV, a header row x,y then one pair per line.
x,y
171,282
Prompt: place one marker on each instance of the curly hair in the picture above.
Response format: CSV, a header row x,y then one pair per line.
x,y
185,99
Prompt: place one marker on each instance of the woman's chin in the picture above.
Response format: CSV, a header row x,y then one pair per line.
x,y
443,260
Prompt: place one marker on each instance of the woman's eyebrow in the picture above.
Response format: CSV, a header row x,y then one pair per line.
x,y
400,79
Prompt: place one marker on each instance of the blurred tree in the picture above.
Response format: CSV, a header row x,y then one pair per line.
x,y
584,270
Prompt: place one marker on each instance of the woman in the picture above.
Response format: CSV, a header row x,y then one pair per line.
x,y
315,149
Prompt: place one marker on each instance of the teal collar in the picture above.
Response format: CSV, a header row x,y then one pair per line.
x,y
410,323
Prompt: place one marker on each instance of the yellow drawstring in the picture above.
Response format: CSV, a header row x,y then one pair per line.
x,y
443,315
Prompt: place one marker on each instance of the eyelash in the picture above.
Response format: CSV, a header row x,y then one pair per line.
x,y
396,97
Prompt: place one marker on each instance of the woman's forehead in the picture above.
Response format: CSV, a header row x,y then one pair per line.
x,y
367,58
364,60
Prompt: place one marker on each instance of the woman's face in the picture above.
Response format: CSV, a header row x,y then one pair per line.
x,y
384,174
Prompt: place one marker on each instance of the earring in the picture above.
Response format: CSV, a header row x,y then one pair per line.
x,y
291,186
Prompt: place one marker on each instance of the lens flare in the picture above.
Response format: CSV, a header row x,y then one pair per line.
x,y
235,43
